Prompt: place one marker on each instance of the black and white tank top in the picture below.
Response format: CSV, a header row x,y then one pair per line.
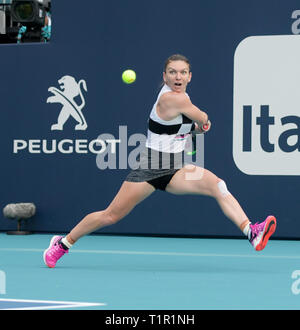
x,y
167,135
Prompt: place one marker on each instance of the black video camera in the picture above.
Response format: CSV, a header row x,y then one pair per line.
x,y
30,12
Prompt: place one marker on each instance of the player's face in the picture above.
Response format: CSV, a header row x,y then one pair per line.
x,y
177,76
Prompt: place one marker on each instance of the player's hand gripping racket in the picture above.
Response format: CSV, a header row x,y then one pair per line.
x,y
203,129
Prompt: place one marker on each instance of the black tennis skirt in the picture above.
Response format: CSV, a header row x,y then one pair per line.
x,y
156,168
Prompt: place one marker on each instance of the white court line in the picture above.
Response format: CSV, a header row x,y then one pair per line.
x,y
60,304
158,253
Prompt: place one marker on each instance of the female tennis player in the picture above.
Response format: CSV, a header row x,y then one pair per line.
x,y
172,119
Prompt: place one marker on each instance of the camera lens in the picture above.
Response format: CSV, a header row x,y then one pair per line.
x,y
24,11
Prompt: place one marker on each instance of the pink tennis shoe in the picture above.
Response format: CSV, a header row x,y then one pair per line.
x,y
54,252
259,235
261,232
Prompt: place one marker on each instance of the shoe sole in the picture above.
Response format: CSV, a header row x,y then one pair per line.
x,y
269,230
45,252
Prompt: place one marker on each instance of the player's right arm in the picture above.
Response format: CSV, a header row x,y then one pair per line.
x,y
173,104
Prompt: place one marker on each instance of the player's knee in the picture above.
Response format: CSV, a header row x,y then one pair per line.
x,y
112,216
218,189
221,188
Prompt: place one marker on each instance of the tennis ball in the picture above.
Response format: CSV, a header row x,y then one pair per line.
x,y
128,76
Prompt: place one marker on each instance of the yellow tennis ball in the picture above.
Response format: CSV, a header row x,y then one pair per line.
x,y
128,76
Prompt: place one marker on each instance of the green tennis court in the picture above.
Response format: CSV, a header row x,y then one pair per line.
x,y
139,273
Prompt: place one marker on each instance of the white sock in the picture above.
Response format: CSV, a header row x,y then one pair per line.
x,y
66,242
246,230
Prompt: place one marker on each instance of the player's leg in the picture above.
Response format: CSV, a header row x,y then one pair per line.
x,y
196,180
129,195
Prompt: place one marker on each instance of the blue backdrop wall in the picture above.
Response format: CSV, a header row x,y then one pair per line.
x,y
229,44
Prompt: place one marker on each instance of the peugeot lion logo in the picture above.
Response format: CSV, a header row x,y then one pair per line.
x,y
69,89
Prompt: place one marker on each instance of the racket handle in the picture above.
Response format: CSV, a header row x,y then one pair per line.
x,y
194,150
194,143
205,127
